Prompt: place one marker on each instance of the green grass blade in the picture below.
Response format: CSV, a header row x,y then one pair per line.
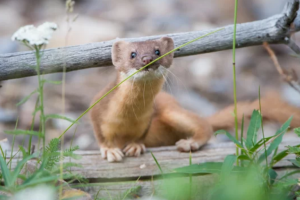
x,y
203,168
20,166
242,139
289,174
52,82
23,132
37,172
255,124
26,98
227,166
181,46
238,144
158,165
262,130
275,143
55,116
280,156
5,173
13,144
44,180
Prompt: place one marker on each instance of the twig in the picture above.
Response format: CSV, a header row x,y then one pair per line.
x,y
288,76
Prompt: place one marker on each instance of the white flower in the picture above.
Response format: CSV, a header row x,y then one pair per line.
x,y
35,36
41,192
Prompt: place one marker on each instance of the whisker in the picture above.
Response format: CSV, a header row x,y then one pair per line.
x,y
132,98
144,94
168,85
152,94
177,79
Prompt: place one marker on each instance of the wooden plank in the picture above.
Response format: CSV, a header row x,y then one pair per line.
x,y
147,188
144,166
157,187
275,29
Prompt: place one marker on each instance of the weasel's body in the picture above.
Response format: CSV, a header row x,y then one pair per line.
x,y
137,113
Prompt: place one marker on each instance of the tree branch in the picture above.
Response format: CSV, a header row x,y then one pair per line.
x,y
273,30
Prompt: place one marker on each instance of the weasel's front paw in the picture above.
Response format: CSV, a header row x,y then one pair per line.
x,y
111,154
187,145
134,149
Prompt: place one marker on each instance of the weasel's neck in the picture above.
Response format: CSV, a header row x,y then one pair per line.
x,y
136,97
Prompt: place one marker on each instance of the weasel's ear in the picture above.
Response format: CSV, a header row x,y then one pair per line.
x,y
118,48
168,43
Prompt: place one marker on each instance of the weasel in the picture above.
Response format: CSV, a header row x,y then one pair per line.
x,y
138,114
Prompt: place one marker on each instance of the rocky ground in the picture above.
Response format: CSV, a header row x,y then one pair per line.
x,y
202,83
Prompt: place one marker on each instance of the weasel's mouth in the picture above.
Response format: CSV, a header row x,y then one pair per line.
x,y
152,67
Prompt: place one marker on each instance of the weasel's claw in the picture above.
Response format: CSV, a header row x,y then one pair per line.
x,y
134,149
187,145
112,154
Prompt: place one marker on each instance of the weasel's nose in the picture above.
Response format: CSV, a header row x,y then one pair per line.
x,y
146,59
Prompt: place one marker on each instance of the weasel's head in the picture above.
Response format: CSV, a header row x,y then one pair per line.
x,y
128,57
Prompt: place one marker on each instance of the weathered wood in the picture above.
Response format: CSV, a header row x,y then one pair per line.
x,y
157,187
147,188
275,29
132,168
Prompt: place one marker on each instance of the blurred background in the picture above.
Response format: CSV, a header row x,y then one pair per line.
x,y
201,83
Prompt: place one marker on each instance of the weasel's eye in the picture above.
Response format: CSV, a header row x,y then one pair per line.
x,y
133,55
157,52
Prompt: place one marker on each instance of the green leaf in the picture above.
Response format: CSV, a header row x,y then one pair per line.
x,y
295,162
294,149
24,152
230,137
254,126
260,143
243,157
279,156
26,98
297,131
275,143
72,155
23,132
54,116
227,166
20,166
5,173
272,176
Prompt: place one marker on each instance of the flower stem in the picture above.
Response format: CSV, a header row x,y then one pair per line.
x,y
234,78
41,95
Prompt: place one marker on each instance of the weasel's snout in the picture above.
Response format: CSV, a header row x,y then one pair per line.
x,y
146,59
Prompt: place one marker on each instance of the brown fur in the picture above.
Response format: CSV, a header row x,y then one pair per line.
x,y
273,108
